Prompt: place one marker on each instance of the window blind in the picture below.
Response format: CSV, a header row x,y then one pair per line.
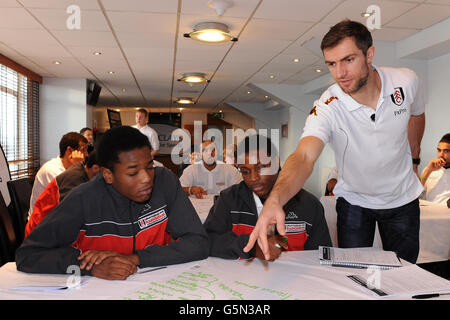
x,y
19,122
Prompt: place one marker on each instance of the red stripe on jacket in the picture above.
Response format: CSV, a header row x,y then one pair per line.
x,y
296,241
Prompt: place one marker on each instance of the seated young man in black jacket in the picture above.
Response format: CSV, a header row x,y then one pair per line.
x,y
234,214
121,219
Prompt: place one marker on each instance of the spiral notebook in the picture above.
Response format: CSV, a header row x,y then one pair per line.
x,y
358,258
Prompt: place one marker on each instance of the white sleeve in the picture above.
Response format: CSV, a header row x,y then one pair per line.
x,y
333,174
418,104
318,123
187,178
154,141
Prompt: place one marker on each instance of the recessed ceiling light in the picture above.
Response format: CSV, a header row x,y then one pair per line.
x,y
248,92
97,53
366,14
296,60
185,101
267,97
318,70
56,62
214,32
193,77
124,90
271,76
111,72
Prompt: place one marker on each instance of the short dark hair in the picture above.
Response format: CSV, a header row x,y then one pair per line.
x,y
117,140
347,28
256,142
71,139
446,138
91,159
85,129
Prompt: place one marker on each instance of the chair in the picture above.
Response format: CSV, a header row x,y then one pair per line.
x,y
8,243
20,192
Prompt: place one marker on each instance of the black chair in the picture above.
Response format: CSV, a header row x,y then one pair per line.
x,y
8,242
20,192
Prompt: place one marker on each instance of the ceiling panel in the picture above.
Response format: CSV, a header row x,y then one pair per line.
x,y
17,18
421,17
56,19
60,4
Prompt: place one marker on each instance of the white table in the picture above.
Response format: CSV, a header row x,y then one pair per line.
x,y
434,234
202,206
296,275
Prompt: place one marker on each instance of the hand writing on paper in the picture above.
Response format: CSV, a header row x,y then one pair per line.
x,y
275,245
270,214
198,192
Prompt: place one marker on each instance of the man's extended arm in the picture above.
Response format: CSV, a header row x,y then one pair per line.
x,y
416,128
296,170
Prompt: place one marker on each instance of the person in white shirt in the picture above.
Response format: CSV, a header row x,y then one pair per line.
x,y
208,176
152,135
436,175
72,150
374,120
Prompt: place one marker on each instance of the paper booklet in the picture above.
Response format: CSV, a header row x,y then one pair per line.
x,y
358,258
47,283
401,282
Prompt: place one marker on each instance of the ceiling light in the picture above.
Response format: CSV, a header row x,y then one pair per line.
x,y
124,90
271,76
214,32
111,72
267,97
318,70
366,14
56,62
193,77
248,92
296,60
97,53
185,101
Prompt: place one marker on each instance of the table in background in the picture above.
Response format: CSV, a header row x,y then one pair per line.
x,y
202,206
434,229
296,275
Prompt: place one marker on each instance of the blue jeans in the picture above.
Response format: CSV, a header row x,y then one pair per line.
x,y
399,227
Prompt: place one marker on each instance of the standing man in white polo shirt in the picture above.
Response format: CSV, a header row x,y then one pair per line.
x,y
152,135
374,120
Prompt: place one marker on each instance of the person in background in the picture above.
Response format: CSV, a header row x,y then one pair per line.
x,y
208,176
122,219
436,175
72,150
234,214
374,119
89,135
331,181
152,135
60,186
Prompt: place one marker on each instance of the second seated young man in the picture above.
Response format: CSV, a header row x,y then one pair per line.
x,y
232,218
124,218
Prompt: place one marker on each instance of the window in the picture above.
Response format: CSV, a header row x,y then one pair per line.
x,y
19,122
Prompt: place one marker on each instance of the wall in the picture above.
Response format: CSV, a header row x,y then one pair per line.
x,y
62,104
437,113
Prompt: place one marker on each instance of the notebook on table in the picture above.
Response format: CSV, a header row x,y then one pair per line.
x,y
358,258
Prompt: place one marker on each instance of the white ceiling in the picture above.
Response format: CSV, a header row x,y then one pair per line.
x,y
142,42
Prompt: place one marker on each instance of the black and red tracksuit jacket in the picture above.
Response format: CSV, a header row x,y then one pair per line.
x,y
233,217
94,216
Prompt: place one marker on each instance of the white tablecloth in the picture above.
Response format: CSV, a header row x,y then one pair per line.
x,y
202,206
434,229
296,275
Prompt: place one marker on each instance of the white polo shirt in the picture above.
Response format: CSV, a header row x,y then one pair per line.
x,y
373,158
221,177
151,134
437,187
